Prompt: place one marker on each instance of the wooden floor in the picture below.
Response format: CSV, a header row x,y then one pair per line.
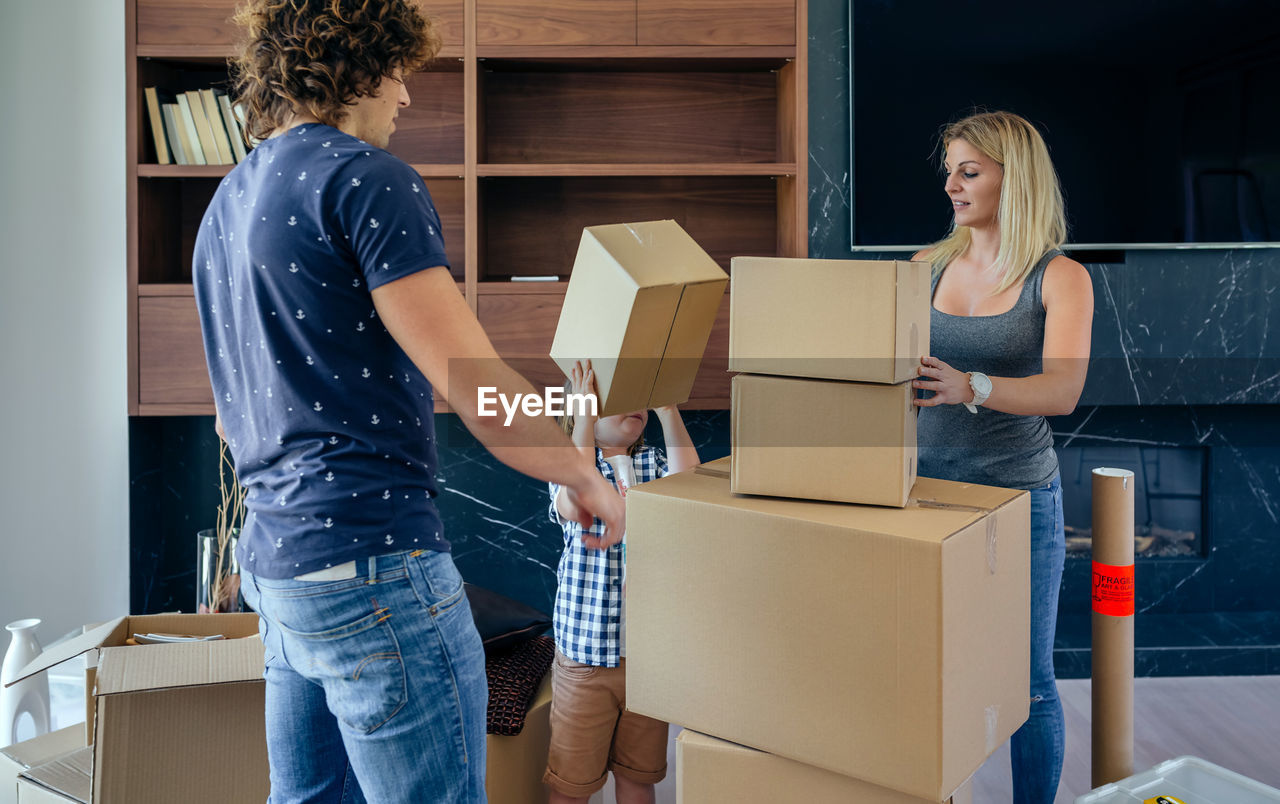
x,y
1232,721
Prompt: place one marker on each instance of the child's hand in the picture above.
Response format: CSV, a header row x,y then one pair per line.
x,y
582,380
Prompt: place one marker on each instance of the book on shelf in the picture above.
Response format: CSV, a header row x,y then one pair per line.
x,y
233,127
187,130
170,113
203,130
155,114
213,112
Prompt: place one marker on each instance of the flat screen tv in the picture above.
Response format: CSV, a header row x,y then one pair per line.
x,y
1162,116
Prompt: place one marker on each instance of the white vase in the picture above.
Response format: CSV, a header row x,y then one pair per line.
x,y
29,696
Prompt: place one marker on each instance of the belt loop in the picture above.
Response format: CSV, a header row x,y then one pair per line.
x,y
373,569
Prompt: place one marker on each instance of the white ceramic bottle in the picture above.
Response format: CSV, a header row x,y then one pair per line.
x,y
29,696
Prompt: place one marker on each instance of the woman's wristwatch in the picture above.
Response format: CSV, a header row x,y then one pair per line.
x,y
981,386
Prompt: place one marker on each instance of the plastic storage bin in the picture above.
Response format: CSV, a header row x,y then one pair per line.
x,y
1188,779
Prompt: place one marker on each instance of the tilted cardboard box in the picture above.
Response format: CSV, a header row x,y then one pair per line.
x,y
66,778
891,645
849,442
711,771
859,320
19,757
171,719
513,774
640,305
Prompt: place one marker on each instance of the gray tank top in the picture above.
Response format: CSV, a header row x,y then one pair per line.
x,y
990,447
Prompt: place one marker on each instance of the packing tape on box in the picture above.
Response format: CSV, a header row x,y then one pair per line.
x,y
991,545
992,714
705,469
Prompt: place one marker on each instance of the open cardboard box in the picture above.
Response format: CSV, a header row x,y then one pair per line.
x,y
172,722
20,757
640,305
890,645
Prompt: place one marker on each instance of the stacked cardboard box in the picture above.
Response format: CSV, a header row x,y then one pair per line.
x,y
849,335
820,650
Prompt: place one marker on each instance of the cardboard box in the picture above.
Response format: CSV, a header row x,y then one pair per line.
x,y
711,771
67,778
891,645
860,320
848,442
640,305
516,763
16,758
171,720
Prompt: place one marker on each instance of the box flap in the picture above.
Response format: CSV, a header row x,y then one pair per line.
x,y
39,750
185,664
107,633
70,775
657,253
937,508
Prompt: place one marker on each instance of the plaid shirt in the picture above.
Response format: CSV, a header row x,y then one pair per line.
x,y
588,608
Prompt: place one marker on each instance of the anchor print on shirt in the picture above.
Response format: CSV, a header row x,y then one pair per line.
x,y
366,373
299,315
374,419
329,477
355,182
386,495
293,221
317,407
293,267
328,523
373,223
360,327
390,540
334,441
310,362
279,543
302,176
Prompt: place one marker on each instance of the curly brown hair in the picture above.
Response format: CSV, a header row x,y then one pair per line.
x,y
316,57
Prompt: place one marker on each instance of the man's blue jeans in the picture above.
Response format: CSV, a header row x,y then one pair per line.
x,y
375,686
1036,750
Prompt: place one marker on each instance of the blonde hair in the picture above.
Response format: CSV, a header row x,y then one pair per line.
x,y
566,425
1031,214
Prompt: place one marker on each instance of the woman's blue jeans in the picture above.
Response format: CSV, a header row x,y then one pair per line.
x,y
375,685
1036,750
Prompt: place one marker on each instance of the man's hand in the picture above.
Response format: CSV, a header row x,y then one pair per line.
x,y
597,498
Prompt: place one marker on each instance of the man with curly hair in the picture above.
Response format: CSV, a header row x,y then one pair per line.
x,y
329,315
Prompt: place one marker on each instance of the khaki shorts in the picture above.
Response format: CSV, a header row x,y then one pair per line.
x,y
592,733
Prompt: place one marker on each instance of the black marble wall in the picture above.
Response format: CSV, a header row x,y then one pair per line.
x,y
1183,357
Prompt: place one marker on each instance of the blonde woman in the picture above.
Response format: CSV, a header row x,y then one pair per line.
x,y
1010,328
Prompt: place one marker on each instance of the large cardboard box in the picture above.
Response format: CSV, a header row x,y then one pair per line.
x,y
891,645
711,771
171,720
860,320
516,762
16,758
848,442
640,305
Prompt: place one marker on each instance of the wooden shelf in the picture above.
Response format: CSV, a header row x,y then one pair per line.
x,y
622,56
152,171
523,136
669,169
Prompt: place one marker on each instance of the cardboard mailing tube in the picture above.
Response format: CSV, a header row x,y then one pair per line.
x,y
1112,686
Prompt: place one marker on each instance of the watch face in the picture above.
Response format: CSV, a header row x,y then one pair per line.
x,y
982,383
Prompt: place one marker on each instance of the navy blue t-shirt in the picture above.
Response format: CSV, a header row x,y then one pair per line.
x,y
329,422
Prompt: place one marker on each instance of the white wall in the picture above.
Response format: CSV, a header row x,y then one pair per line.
x,y
64,458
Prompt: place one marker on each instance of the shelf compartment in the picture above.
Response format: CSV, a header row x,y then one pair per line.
x,y
679,58
533,225
171,365
645,169
168,205
601,117
431,129
206,24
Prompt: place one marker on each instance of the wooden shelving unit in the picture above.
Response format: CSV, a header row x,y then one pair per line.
x,y
538,118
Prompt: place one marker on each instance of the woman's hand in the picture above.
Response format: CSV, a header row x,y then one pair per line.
x,y
949,386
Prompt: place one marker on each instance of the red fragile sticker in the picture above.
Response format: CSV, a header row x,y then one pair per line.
x,y
1113,589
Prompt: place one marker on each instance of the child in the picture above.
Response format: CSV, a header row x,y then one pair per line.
x,y
591,730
